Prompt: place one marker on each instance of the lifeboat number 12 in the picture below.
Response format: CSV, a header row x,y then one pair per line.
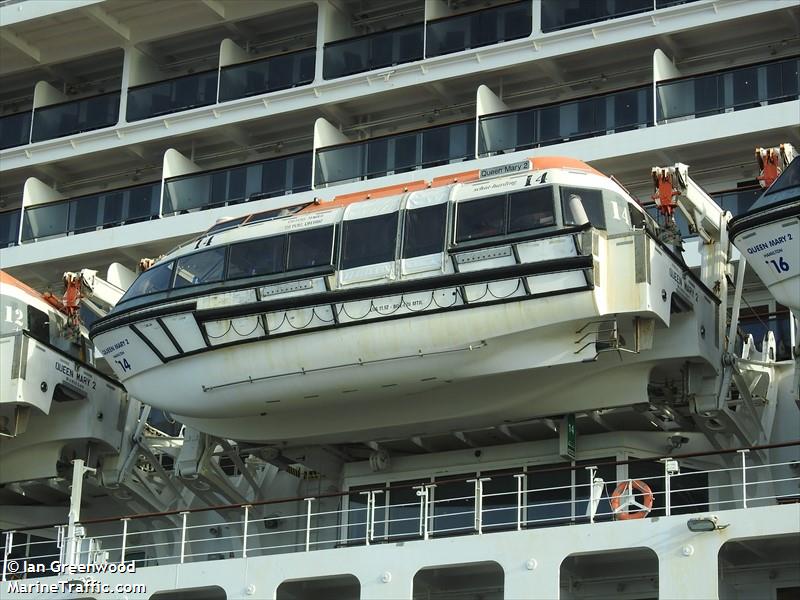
x,y
124,365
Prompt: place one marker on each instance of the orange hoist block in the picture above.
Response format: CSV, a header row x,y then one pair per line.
x,y
769,162
665,191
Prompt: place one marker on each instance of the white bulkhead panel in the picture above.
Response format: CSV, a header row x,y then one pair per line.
x,y
184,329
153,331
126,352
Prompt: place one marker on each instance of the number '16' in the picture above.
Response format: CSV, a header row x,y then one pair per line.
x,y
781,266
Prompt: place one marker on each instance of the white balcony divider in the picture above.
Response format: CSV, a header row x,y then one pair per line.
x,y
325,134
175,165
44,95
230,53
486,103
663,68
333,24
34,193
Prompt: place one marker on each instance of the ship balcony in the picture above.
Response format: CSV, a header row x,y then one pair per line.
x,y
266,75
530,526
753,98
374,51
479,28
323,58
75,116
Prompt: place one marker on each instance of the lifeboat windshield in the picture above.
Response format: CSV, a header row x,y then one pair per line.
x,y
785,188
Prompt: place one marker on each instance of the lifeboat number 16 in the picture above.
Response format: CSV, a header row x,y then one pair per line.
x,y
780,265
124,365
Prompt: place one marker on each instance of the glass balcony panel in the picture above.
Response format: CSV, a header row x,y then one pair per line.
x,y
563,14
265,179
571,120
396,154
142,203
479,28
173,95
267,75
373,51
84,214
9,228
738,202
45,220
15,130
69,118
734,89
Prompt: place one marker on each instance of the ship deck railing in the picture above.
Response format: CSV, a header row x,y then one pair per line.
x,y
510,500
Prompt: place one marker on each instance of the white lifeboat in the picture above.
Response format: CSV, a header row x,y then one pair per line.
x,y
768,236
465,301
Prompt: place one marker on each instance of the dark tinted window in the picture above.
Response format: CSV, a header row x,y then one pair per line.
x,y
155,279
590,200
38,324
202,267
476,219
369,241
424,231
257,257
531,208
311,248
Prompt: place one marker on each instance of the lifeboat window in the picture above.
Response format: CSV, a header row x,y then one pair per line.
x,y
369,241
38,324
531,208
477,219
155,279
424,231
310,248
202,267
264,256
582,205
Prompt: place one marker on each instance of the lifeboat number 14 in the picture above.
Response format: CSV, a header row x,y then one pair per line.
x,y
124,364
780,265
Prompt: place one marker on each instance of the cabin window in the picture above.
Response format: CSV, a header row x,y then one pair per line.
x,y
369,241
482,218
310,248
264,256
202,267
531,208
155,279
424,231
582,205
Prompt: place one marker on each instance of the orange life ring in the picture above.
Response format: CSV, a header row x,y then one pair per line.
x,y
626,489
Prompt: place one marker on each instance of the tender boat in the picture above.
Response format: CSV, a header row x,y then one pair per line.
x,y
404,310
768,236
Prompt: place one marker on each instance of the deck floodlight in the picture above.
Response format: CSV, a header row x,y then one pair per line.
x,y
710,523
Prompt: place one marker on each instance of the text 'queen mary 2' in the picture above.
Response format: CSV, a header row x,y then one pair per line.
x,y
407,310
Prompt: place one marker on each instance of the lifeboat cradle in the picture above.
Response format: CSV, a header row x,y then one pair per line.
x,y
373,343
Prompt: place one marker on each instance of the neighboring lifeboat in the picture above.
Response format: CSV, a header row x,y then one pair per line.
x,y
55,405
536,288
768,235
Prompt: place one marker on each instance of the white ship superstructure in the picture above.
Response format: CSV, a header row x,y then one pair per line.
x,y
387,342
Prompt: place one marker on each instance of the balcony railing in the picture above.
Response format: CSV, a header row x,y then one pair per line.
x,y
396,153
563,14
473,505
564,121
172,95
75,116
729,90
373,51
267,75
232,185
479,28
90,213
9,228
15,130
